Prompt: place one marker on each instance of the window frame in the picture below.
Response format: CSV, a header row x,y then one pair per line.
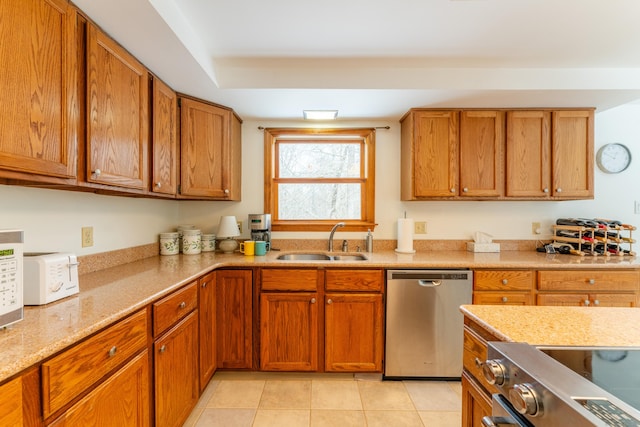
x,y
367,179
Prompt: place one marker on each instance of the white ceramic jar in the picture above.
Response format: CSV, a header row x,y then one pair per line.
x,y
181,229
169,243
191,242
208,242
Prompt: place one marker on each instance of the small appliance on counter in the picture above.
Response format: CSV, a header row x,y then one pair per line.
x,y
260,227
11,304
49,277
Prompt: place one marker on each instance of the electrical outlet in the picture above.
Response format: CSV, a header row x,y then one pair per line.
x,y
87,237
420,227
636,207
535,228
240,226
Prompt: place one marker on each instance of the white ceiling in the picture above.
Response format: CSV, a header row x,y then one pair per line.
x,y
375,59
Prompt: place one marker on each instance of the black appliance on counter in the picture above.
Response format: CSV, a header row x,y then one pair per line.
x,y
563,386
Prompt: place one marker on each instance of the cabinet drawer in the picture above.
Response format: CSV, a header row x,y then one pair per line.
x,y
502,280
172,308
588,300
591,280
502,298
354,280
70,373
290,280
475,354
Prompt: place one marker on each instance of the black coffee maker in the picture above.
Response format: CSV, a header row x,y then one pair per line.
x,y
260,227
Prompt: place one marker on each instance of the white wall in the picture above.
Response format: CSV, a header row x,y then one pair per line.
x,y
52,218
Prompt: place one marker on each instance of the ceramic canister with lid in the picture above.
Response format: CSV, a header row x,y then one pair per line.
x,y
191,242
181,229
169,244
208,242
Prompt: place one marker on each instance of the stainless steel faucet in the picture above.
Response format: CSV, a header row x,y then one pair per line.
x,y
333,230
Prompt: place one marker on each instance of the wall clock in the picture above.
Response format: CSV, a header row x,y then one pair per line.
x,y
613,158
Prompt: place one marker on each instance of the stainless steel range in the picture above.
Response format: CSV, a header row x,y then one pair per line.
x,y
565,386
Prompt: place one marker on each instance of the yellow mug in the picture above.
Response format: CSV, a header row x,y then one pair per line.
x,y
248,247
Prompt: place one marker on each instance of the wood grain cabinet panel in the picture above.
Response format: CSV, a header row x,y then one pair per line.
x,y
503,287
210,157
123,399
117,115
172,308
207,327
354,280
353,332
11,403
234,311
288,279
176,372
289,331
594,288
164,172
72,372
475,403
39,111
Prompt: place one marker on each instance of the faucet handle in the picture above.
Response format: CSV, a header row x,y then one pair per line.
x,y
345,246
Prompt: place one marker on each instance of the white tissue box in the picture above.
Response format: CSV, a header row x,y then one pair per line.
x,y
483,247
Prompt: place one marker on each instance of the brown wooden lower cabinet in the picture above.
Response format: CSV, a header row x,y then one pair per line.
x,y
176,372
123,399
207,327
11,403
475,403
234,318
353,332
588,300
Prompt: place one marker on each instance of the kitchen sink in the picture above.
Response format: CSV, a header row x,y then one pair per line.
x,y
315,256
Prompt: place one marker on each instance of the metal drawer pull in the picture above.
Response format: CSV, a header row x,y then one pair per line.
x,y
182,304
313,300
505,299
505,281
586,302
112,351
592,281
163,349
596,302
204,284
479,363
329,301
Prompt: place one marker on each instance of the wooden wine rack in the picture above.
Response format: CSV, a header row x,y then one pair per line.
x,y
616,240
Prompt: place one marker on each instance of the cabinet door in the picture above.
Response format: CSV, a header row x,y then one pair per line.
x,y
11,403
289,331
176,372
206,151
528,154
234,311
38,102
353,332
430,155
123,399
476,404
164,174
572,154
117,114
207,330
481,153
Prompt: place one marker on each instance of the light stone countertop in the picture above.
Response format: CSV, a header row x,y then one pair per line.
x,y
108,295
559,326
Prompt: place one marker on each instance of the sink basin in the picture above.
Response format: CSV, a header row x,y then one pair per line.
x,y
310,256
304,257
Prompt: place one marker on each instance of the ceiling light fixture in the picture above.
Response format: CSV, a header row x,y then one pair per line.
x,y
320,114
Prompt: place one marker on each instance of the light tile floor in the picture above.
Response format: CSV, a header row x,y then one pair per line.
x,y
260,399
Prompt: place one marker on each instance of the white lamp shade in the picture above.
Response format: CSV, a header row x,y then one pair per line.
x,y
228,227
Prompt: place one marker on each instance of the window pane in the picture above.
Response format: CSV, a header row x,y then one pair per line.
x,y
319,201
319,160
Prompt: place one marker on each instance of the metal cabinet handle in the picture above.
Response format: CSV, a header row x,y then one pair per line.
x,y
158,184
226,191
505,281
313,300
596,302
97,172
592,281
453,190
505,299
182,304
479,363
329,301
546,190
465,189
112,351
559,190
586,302
163,348
204,284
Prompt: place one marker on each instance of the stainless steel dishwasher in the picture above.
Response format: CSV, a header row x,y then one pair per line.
x,y
424,325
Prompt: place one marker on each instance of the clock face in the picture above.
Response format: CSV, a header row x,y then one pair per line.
x,y
613,158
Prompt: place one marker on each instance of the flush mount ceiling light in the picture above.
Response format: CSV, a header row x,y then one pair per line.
x,y
320,114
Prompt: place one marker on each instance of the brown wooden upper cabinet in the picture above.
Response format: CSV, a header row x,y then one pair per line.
x,y
38,100
550,154
480,154
117,143
164,174
210,156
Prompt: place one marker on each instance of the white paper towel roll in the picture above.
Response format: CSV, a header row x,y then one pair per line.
x,y
405,236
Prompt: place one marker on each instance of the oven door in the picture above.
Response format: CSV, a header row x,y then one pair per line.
x,y
503,414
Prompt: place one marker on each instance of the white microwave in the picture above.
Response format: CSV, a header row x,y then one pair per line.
x,y
11,276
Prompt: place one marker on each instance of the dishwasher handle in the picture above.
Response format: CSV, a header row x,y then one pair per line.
x,y
429,283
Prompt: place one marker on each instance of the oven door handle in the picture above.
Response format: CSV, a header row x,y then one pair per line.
x,y
498,421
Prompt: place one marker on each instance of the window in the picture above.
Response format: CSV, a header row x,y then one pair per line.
x,y
317,177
